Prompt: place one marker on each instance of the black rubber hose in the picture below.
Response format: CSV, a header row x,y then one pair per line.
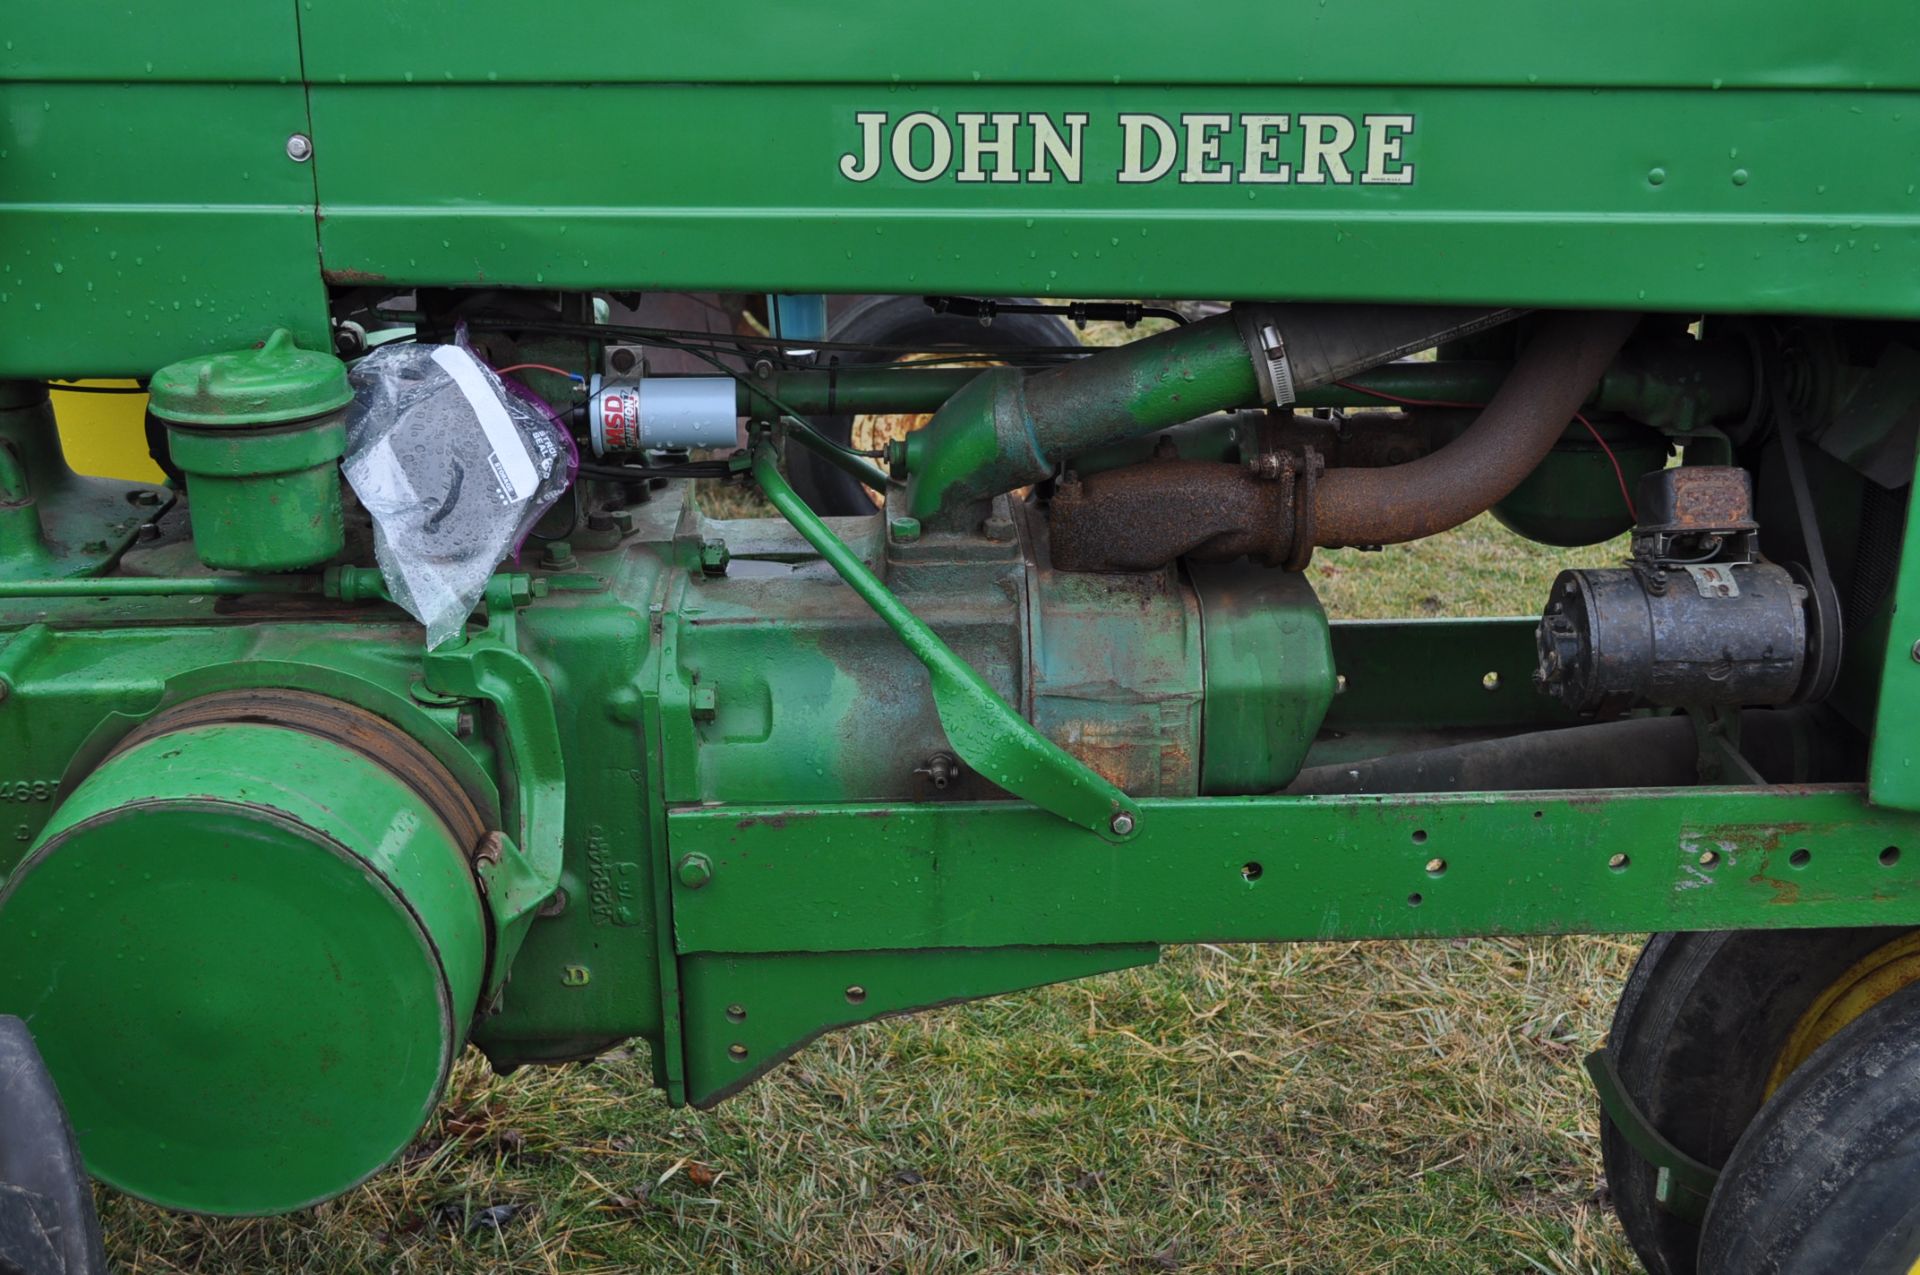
x,y
1640,752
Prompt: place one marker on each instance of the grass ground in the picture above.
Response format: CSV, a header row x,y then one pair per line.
x,y
1351,1107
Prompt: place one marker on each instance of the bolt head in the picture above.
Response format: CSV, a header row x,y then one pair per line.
x,y
299,148
695,870
1916,651
1122,824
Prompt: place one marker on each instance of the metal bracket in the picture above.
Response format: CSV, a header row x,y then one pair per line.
x,y
983,729
1716,730
520,868
1683,1185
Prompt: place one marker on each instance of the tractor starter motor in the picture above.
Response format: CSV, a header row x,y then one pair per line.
x,y
1695,618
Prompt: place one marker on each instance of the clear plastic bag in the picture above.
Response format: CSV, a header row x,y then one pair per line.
x,y
455,468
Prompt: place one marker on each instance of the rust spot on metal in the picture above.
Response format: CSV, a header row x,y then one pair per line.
x,y
351,276
766,821
1143,516
1114,755
1709,498
337,722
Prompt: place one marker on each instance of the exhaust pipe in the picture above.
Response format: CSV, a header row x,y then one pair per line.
x,y
1119,520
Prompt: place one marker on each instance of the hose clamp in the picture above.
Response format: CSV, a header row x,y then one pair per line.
x,y
1268,350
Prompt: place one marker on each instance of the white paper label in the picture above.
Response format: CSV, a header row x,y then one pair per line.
x,y
511,464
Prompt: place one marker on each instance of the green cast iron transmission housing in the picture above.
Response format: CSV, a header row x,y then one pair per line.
x,y
250,953
259,434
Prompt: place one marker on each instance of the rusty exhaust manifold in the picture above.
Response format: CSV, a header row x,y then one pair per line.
x,y
1279,508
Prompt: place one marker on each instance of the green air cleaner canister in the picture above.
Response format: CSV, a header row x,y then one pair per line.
x,y
249,950
259,434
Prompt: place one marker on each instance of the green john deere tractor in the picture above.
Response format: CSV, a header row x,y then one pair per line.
x,y
387,691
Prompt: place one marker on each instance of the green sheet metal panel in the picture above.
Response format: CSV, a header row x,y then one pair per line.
x,y
1597,154
148,210
103,41
1646,43
1625,154
1894,761
1658,198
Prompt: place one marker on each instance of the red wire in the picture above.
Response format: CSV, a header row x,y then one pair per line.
x,y
1619,476
1409,402
538,367
1613,460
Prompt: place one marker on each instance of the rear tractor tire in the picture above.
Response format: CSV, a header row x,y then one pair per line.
x,y
1824,1180
1708,1027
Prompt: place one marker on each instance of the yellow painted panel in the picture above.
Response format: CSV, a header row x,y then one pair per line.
x,y
105,434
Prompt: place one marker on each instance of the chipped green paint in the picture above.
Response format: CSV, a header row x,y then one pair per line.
x,y
984,730
1218,869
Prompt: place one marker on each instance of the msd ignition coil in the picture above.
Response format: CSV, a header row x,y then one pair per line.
x,y
641,413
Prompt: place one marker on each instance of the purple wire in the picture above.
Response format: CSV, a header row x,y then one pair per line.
x,y
573,449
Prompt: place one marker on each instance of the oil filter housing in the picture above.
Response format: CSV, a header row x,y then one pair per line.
x,y
259,434
1694,619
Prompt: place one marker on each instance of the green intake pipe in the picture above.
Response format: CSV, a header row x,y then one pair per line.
x,y
1009,427
1696,382
855,391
